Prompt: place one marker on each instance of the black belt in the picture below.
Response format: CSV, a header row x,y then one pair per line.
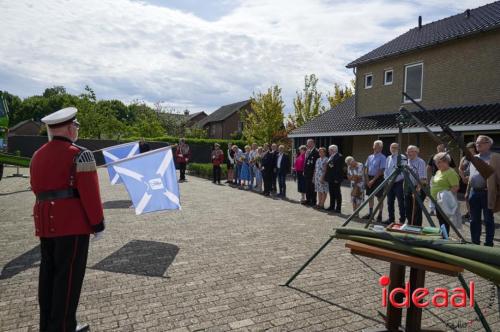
x,y
57,194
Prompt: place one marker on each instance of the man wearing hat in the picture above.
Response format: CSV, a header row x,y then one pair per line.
x,y
67,210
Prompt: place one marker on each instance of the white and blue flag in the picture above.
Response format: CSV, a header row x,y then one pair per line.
x,y
151,180
117,152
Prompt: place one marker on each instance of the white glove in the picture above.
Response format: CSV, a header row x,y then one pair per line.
x,y
98,236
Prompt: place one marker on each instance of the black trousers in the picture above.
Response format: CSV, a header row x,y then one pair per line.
x,y
274,179
216,174
267,176
62,269
310,190
282,183
396,192
182,170
335,195
411,204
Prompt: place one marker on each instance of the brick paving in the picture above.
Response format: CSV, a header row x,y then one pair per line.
x,y
227,253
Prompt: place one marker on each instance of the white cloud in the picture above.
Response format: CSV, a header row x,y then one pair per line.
x,y
133,50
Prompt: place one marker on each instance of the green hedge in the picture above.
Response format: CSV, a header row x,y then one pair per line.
x,y
205,170
192,141
9,159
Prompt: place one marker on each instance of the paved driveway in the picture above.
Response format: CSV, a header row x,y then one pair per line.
x,y
217,265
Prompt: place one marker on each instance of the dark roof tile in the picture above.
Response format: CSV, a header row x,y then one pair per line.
x,y
342,118
223,112
483,18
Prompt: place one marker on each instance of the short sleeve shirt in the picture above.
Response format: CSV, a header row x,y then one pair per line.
x,y
375,163
444,181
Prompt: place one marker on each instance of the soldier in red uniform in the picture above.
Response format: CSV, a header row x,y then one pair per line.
x,y
67,210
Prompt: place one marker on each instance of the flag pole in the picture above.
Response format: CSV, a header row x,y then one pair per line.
x,y
137,156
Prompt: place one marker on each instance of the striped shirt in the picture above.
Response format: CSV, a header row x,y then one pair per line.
x,y
419,166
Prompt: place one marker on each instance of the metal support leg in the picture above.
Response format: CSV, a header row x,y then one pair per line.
x,y
295,275
476,307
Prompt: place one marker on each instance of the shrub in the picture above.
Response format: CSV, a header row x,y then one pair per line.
x,y
208,142
204,170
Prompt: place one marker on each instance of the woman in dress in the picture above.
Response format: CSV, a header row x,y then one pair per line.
x,y
245,168
319,178
258,172
298,167
230,163
355,175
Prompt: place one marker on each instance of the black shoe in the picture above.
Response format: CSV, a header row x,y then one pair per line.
x,y
379,218
338,211
82,328
366,216
385,222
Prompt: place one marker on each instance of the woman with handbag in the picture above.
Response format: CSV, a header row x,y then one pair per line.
x,y
355,175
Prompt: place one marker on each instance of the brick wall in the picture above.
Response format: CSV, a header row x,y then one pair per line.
x,y
462,72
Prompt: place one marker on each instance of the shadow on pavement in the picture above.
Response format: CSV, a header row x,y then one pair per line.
x,y
21,263
145,258
119,204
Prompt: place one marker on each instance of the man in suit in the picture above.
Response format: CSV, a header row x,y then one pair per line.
x,y
283,168
268,163
334,175
312,155
275,152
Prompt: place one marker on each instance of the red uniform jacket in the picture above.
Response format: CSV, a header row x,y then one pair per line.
x,y
57,166
217,157
180,157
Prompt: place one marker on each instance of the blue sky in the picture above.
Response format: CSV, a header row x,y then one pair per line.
x,y
196,54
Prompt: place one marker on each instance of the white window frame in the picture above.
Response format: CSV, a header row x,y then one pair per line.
x,y
385,76
366,78
421,63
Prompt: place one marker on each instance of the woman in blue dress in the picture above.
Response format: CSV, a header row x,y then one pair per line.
x,y
320,184
245,168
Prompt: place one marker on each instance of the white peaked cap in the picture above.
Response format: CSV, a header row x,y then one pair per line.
x,y
60,117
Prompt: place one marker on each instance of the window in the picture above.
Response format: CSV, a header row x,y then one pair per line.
x,y
414,81
212,130
388,77
368,81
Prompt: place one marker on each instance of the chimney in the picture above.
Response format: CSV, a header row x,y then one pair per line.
x,y
420,22
467,13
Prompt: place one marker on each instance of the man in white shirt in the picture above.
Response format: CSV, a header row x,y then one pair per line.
x,y
419,167
396,191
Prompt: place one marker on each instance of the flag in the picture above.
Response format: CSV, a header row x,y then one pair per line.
x,y
151,180
117,152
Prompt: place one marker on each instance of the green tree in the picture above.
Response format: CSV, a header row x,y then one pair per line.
x,y
340,94
147,121
307,104
266,117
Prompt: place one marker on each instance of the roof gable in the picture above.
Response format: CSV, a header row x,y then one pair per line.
x,y
223,112
480,19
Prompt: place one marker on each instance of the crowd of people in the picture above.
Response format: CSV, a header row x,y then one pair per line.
x,y
319,173
260,168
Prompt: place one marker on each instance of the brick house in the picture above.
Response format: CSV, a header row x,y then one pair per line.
x,y
27,127
194,118
226,121
451,66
